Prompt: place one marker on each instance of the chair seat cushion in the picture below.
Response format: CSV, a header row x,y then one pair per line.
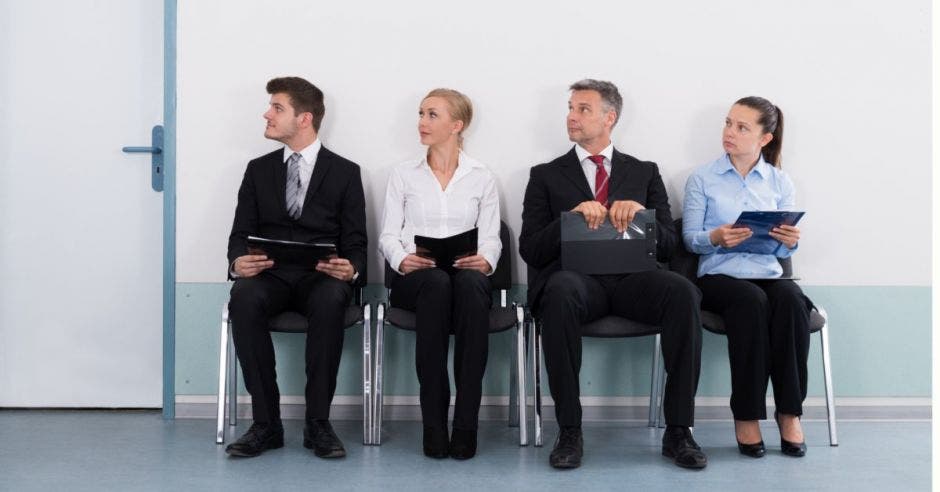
x,y
294,322
617,327
715,324
501,318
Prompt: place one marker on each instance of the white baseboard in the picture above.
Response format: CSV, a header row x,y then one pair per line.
x,y
347,407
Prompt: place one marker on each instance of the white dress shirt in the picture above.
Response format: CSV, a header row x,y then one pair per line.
x,y
308,158
415,204
590,169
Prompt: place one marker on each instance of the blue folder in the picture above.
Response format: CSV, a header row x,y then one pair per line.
x,y
761,223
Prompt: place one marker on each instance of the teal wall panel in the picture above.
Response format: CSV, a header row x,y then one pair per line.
x,y
880,339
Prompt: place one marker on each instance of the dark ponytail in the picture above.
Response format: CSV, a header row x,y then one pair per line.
x,y
771,119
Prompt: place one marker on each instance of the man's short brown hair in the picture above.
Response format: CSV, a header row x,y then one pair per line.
x,y
304,97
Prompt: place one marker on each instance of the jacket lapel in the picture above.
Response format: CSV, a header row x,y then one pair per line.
x,y
279,177
572,170
320,168
619,169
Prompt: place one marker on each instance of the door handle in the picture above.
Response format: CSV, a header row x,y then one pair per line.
x,y
156,156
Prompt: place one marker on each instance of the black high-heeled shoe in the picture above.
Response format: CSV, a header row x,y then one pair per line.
x,y
435,442
795,449
463,444
756,450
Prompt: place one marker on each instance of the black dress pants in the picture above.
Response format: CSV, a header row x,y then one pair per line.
x,y
254,301
768,337
443,303
657,297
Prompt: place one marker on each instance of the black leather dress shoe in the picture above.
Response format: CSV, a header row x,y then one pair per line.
x,y
463,444
319,436
435,442
679,445
569,448
795,449
260,437
753,450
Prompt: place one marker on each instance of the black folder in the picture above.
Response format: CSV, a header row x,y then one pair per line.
x,y
291,253
606,251
760,223
446,250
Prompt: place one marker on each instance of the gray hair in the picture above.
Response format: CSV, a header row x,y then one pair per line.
x,y
610,96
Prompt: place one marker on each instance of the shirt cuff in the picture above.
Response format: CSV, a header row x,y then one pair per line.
x,y
702,243
231,271
492,260
396,260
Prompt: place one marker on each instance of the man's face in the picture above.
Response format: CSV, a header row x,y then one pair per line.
x,y
282,125
588,121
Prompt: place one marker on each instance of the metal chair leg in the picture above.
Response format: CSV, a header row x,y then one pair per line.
x,y
520,378
536,335
223,362
232,379
514,393
377,378
827,378
367,374
654,384
660,382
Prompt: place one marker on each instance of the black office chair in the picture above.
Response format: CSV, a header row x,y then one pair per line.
x,y
685,263
502,318
606,327
292,322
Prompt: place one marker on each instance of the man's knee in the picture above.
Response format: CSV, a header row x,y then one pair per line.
x,y
330,294
561,286
249,295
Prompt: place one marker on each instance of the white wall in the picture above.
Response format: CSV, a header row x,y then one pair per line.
x,y
853,80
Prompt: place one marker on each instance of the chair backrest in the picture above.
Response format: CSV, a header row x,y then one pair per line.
x,y
501,278
685,263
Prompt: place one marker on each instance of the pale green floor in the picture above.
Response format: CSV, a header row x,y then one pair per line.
x,y
137,450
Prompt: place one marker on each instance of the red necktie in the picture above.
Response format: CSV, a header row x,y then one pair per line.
x,y
600,179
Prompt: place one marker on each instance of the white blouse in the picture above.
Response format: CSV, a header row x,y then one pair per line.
x,y
415,204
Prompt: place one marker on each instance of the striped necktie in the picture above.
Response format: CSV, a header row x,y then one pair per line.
x,y
600,179
294,198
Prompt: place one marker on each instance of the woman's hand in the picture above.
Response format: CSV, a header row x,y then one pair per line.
x,y
786,234
728,236
414,262
475,262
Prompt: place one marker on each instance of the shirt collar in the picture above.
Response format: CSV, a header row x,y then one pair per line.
x,y
463,160
762,168
309,153
583,154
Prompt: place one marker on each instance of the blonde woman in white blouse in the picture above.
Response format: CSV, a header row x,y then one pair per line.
x,y
446,192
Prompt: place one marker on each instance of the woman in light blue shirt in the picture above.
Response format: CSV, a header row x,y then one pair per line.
x,y
766,317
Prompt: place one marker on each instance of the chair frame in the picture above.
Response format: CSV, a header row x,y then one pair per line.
x,y
228,376
517,381
657,374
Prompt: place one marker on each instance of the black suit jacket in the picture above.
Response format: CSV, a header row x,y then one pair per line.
x,y
334,208
560,186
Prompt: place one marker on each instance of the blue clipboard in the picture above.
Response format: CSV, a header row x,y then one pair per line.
x,y
760,222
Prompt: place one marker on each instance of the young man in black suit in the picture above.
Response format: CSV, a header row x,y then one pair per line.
x,y
301,192
598,181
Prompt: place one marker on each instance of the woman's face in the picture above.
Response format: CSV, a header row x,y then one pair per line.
x,y
743,135
435,125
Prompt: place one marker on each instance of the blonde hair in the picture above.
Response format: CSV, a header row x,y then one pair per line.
x,y
459,107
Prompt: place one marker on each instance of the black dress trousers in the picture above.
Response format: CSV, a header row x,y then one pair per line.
x,y
254,301
444,303
657,297
767,323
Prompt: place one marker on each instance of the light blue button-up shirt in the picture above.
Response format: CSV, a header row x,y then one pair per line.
x,y
716,194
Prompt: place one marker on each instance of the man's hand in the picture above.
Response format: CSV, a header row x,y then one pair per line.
x,y
786,234
622,212
475,262
593,211
338,268
728,236
250,265
414,262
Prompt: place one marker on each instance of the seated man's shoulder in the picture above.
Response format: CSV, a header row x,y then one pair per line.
x,y
338,160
